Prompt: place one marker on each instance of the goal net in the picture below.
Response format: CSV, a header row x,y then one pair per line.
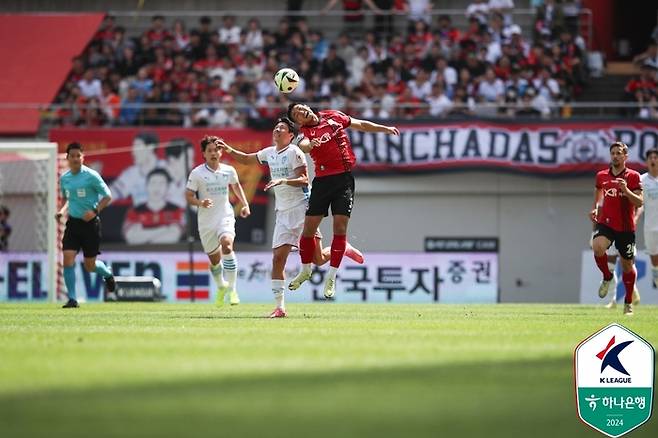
x,y
28,231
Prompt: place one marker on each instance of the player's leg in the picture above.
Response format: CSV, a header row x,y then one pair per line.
x,y
321,255
279,258
625,243
70,247
90,250
230,263
217,273
341,208
612,288
603,238
307,245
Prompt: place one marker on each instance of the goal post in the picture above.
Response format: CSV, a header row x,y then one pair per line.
x,y
29,188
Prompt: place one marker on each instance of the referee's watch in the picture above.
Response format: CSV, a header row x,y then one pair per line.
x,y
95,210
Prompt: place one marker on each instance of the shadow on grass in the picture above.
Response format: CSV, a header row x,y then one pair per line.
x,y
519,399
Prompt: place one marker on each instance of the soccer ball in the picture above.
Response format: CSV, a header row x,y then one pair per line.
x,y
286,80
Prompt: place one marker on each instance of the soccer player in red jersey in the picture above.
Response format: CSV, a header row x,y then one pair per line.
x,y
327,142
620,191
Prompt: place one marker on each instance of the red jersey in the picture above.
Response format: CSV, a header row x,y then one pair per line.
x,y
617,211
334,155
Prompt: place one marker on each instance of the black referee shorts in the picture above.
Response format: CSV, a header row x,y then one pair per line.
x,y
335,191
82,235
624,240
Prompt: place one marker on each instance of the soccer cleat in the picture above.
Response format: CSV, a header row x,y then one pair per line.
x,y
221,293
604,288
354,254
234,298
110,284
655,283
636,296
71,303
329,288
612,304
299,279
628,309
278,313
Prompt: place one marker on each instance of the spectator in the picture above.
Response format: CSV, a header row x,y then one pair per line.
x,y
549,17
649,56
332,65
420,86
229,33
5,228
89,85
143,84
491,89
353,19
528,107
478,10
502,7
204,33
157,32
110,103
180,35
131,106
254,37
439,103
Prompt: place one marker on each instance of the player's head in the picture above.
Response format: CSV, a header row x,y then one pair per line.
x,y
302,114
652,159
74,156
210,149
145,145
284,131
157,184
618,153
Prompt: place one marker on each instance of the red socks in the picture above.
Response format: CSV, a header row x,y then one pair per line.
x,y
307,248
337,250
629,283
602,263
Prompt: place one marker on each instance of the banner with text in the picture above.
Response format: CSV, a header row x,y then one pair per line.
x,y
386,277
590,278
550,148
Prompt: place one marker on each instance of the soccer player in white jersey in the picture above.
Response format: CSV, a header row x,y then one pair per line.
x,y
288,170
208,188
650,209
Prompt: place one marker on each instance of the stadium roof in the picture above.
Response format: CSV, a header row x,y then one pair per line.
x,y
36,52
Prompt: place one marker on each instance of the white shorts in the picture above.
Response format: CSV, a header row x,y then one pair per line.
x,y
289,225
210,237
651,242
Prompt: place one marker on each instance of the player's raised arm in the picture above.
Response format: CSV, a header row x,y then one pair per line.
x,y
368,126
239,156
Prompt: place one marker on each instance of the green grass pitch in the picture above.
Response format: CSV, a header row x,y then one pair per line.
x,y
329,370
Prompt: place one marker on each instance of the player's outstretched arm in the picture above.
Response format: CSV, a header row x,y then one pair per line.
x,y
237,155
368,126
300,180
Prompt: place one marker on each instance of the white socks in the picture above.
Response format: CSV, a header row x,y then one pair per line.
x,y
279,288
230,268
217,273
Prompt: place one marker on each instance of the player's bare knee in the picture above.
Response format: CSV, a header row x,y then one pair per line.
x,y
90,266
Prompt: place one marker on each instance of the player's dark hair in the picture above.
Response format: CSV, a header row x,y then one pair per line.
x,y
649,152
290,108
159,171
71,146
619,144
206,140
176,147
289,123
149,138
5,210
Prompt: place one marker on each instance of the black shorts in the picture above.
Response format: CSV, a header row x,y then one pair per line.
x,y
624,240
336,191
80,234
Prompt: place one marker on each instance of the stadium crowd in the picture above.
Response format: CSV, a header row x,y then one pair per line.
x,y
222,76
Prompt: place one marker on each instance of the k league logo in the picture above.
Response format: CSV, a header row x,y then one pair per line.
x,y
614,374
